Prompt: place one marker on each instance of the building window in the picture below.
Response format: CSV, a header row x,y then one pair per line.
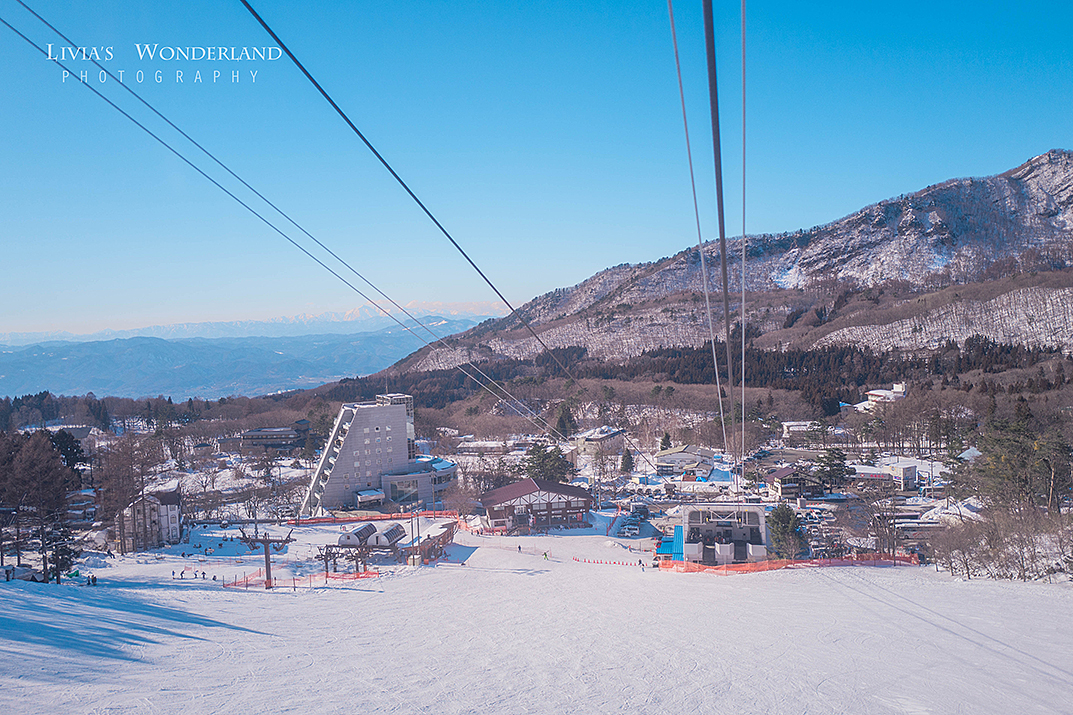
x,y
519,510
404,492
378,440
389,438
377,429
558,505
366,430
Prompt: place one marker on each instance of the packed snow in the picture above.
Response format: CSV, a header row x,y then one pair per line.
x,y
571,623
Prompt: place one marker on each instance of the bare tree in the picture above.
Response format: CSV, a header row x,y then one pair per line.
x,y
126,466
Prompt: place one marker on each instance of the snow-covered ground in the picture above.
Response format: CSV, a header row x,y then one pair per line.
x,y
511,632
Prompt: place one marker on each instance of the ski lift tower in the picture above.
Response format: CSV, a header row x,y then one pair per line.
x,y
266,540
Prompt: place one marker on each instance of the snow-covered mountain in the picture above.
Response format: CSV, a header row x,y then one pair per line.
x,y
365,318
959,232
952,232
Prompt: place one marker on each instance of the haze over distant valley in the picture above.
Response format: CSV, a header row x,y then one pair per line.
x,y
182,367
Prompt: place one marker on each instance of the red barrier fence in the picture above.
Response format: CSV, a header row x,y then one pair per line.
x,y
775,564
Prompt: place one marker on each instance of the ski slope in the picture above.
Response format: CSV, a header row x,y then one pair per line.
x,y
511,632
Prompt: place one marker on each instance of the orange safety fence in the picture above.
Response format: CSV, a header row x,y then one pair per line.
x,y
603,561
614,519
481,530
775,564
257,579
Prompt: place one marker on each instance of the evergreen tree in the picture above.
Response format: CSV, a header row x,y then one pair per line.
x,y
565,424
626,467
70,449
665,443
540,462
62,558
784,528
833,470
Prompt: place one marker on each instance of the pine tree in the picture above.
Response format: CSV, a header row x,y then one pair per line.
x,y
550,464
784,528
833,470
626,467
565,425
665,443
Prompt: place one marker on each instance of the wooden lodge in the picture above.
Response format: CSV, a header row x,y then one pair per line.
x,y
535,503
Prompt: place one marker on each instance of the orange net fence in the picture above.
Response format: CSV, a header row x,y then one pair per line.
x,y
313,580
255,578
775,564
607,562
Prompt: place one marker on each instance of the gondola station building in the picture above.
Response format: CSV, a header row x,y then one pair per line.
x,y
536,503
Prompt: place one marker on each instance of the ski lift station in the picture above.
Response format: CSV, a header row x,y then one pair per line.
x,y
717,534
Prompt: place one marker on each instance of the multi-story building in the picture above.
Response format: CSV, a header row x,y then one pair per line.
x,y
371,456
149,522
280,438
599,440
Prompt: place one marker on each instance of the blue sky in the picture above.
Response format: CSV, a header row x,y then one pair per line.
x,y
546,136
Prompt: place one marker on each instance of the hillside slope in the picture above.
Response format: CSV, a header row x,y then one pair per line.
x,y
959,232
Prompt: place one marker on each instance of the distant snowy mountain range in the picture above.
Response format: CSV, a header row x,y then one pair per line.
x,y
363,319
210,367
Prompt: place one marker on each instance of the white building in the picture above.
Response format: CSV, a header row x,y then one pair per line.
x,y
687,457
370,456
876,397
902,476
605,439
149,523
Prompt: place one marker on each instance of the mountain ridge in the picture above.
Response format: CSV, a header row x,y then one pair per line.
x,y
958,232
362,319
206,368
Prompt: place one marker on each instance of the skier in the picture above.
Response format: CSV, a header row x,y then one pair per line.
x,y
545,555
519,548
